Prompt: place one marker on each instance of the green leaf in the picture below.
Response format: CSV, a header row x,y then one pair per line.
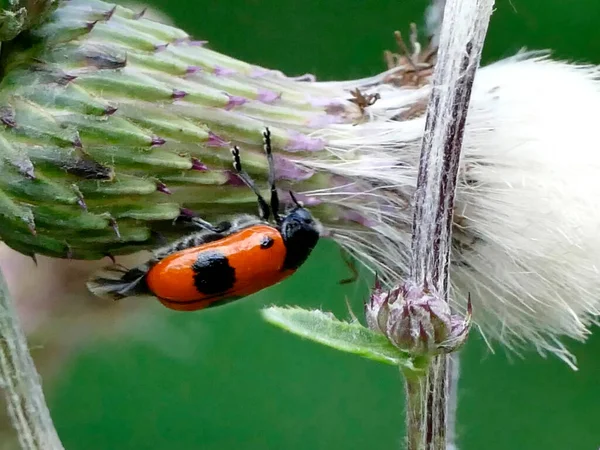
x,y
351,337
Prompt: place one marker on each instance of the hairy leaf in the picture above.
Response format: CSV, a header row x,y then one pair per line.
x,y
351,337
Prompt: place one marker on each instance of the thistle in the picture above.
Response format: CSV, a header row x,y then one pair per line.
x,y
113,126
417,322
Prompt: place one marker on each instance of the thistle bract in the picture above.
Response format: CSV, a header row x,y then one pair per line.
x,y
416,320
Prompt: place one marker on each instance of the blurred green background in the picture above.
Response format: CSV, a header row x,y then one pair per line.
x,y
223,379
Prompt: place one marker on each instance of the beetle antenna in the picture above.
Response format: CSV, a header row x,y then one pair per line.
x,y
263,206
295,200
274,194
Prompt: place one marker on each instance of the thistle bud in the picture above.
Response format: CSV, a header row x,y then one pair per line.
x,y
416,320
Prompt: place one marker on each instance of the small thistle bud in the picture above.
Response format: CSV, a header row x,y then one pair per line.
x,y
416,320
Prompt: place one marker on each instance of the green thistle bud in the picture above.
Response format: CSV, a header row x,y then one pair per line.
x,y
95,133
113,124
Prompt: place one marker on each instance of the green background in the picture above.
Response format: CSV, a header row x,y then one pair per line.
x,y
234,382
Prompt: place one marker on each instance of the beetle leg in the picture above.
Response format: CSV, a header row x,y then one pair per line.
x,y
351,263
203,224
189,217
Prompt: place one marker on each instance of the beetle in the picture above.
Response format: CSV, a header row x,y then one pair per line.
x,y
224,262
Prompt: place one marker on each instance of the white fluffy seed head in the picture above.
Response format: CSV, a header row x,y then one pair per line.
x,y
531,196
527,234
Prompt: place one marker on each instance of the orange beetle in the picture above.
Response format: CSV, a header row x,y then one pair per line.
x,y
221,263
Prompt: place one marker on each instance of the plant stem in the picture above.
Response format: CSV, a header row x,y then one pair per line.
x,y
416,393
435,403
461,40
21,382
453,377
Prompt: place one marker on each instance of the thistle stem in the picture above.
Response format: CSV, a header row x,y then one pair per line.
x,y
461,41
416,393
21,383
453,377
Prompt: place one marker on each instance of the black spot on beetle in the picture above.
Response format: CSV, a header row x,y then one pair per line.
x,y
266,242
213,274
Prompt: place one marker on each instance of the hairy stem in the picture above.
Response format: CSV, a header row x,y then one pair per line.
x,y
461,40
453,377
21,383
416,393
